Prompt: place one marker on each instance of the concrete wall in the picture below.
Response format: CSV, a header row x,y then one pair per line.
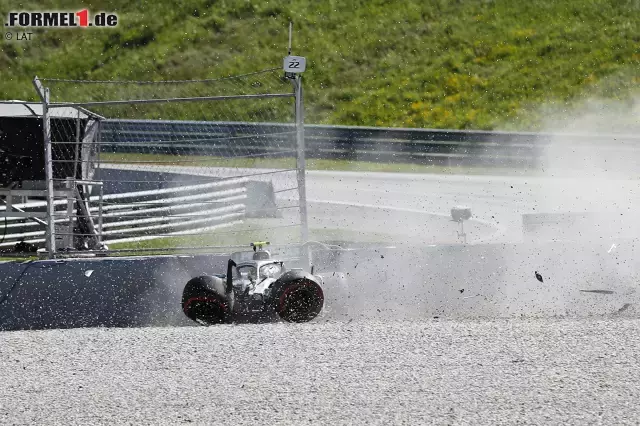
x,y
117,292
406,282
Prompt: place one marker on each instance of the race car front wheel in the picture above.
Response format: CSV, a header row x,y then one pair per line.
x,y
298,301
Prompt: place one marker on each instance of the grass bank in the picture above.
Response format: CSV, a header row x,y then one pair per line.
x,y
472,64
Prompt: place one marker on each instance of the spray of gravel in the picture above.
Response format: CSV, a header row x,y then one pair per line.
x,y
581,234
420,271
589,190
426,277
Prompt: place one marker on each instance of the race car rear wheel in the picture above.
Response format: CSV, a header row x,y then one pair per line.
x,y
205,302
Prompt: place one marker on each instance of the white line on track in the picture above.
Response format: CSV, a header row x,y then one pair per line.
x,y
398,209
500,229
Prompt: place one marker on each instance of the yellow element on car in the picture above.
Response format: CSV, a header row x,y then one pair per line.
x,y
259,244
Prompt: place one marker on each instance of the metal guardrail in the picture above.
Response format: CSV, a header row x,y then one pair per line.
x,y
140,215
392,145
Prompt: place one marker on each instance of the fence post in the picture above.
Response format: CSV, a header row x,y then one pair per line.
x,y
50,241
101,198
301,165
71,199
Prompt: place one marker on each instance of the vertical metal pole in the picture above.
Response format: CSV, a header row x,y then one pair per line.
x,y
100,213
301,161
98,148
290,35
68,239
76,154
48,170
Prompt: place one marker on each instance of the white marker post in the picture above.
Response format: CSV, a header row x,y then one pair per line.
x,y
293,66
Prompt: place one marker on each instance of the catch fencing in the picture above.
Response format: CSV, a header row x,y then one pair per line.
x,y
183,185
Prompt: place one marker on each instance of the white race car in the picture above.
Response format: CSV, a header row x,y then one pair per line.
x,y
256,289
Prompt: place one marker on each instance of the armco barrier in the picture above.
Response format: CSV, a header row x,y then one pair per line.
x,y
137,204
426,146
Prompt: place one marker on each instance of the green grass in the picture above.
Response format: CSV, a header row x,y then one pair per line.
x,y
251,231
479,64
17,259
312,164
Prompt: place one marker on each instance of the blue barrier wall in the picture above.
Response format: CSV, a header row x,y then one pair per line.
x,y
472,280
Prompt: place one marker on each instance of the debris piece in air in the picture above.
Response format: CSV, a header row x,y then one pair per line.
x,y
461,290
538,276
381,257
598,291
88,273
624,308
613,246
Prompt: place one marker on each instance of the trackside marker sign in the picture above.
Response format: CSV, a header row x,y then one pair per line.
x,y
56,19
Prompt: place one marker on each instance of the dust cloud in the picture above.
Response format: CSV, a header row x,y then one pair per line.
x,y
579,230
584,230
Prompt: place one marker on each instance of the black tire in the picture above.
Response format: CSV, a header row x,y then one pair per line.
x,y
297,300
204,301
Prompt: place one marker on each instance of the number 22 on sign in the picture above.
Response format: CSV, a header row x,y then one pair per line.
x,y
295,64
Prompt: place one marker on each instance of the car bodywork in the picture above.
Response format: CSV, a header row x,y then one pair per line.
x,y
255,289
